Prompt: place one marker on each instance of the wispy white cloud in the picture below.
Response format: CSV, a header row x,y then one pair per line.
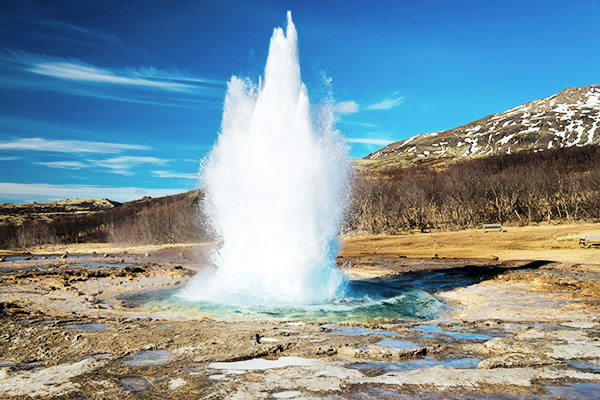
x,y
123,165
386,104
346,107
370,141
45,192
68,146
154,73
64,164
139,85
352,107
192,105
78,30
87,73
176,175
365,124
8,158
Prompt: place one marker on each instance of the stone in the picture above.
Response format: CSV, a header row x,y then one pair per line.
x,y
176,383
135,384
517,360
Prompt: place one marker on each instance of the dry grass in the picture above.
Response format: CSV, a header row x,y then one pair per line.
x,y
542,242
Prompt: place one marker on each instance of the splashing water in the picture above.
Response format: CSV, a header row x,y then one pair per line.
x,y
277,186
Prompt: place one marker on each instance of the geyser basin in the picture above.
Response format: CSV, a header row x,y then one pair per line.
x,y
277,185
364,301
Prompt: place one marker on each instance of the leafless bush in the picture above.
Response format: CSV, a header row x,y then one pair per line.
x,y
171,219
557,185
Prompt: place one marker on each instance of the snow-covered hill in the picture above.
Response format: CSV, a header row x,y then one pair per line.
x,y
569,118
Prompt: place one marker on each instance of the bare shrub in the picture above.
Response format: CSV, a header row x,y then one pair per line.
x,y
555,186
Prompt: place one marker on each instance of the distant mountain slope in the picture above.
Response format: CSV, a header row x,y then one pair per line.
x,y
46,211
569,118
19,213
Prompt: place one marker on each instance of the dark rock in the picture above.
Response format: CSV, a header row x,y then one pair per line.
x,y
329,351
135,384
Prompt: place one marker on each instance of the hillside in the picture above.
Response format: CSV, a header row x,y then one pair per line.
x,y
557,185
19,213
569,118
169,219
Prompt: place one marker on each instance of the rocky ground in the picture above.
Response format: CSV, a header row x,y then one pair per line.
x,y
511,330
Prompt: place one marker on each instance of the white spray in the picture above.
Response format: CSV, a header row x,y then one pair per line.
x,y
276,188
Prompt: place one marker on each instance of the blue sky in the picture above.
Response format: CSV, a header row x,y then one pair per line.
x,y
123,99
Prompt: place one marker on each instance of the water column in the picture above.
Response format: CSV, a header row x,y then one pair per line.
x,y
277,184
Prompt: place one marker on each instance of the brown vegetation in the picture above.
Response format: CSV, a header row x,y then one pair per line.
x,y
561,185
170,219
556,185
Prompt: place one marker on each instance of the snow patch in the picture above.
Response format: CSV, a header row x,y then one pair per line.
x,y
505,139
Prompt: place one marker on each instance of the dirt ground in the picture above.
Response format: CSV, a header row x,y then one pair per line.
x,y
520,321
541,242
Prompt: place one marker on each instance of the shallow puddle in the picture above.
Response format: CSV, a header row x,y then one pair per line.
x,y
355,331
379,368
375,393
586,365
135,384
146,358
87,327
578,391
397,344
434,329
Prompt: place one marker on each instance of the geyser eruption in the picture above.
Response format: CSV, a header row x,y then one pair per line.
x,y
276,188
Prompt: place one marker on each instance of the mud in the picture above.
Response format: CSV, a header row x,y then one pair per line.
x,y
511,330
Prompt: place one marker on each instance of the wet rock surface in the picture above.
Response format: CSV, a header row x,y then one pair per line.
x,y
512,330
